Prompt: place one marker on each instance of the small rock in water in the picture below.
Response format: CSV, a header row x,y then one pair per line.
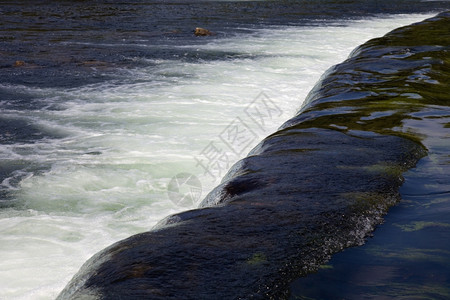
x,y
202,32
19,63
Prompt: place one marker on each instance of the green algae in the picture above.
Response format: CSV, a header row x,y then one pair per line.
x,y
412,254
257,259
326,267
394,170
385,169
435,201
364,200
419,225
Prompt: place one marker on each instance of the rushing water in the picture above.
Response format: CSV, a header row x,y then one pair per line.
x,y
102,105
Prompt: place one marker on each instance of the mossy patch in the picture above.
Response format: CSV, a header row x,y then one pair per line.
x,y
326,267
257,259
386,168
382,168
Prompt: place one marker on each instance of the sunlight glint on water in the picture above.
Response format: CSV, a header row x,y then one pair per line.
x,y
106,178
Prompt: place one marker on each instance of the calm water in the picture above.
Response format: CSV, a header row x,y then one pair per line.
x,y
102,104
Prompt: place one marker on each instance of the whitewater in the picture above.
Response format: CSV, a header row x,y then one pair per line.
x,y
117,145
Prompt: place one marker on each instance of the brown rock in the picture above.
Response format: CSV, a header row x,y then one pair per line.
x,y
19,63
202,32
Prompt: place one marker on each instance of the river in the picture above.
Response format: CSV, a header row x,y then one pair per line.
x,y
103,105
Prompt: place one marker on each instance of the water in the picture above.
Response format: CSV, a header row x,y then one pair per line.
x,y
112,101
407,258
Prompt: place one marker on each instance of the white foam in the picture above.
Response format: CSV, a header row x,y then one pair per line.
x,y
122,142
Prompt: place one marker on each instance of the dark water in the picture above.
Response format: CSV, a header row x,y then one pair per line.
x,y
61,40
407,258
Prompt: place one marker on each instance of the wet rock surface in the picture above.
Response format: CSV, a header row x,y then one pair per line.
x,y
318,185
409,255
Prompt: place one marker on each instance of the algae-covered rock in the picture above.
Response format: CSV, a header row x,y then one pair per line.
x,y
318,185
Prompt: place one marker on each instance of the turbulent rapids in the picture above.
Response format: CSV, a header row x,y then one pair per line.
x,y
321,183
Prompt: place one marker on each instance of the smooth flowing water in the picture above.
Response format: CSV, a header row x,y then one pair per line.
x,y
102,105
